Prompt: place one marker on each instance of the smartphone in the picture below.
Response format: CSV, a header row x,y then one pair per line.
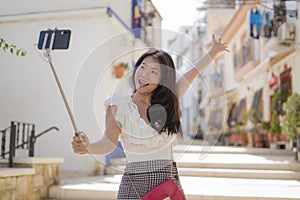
x,y
61,39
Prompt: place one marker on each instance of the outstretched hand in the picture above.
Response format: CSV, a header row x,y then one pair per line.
x,y
218,46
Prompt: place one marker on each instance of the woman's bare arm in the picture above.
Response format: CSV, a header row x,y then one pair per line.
x,y
107,143
199,65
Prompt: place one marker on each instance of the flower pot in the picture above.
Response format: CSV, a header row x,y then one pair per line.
x,y
241,140
231,139
277,137
119,71
258,140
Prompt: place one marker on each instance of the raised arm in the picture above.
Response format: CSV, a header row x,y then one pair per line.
x,y
106,144
199,65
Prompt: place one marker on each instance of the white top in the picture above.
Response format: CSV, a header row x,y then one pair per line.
x,y
140,141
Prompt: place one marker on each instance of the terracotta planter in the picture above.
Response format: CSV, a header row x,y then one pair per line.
x,y
270,138
241,140
231,139
119,71
279,137
258,140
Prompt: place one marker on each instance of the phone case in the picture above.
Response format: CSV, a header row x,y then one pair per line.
x,y
61,39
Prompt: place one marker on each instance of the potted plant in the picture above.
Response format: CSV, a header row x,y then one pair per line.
x,y
291,120
257,136
240,136
275,128
265,125
120,69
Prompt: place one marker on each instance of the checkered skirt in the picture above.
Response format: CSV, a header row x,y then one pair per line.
x,y
144,176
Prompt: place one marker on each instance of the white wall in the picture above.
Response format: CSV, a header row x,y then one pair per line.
x,y
124,10
17,7
29,93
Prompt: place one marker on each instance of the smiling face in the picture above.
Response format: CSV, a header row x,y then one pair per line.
x,y
147,76
154,76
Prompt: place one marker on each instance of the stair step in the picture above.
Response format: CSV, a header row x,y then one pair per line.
x,y
240,173
195,188
237,161
226,173
117,161
229,161
218,173
238,189
230,150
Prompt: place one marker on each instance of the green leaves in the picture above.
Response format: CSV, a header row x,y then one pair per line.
x,y
291,120
12,48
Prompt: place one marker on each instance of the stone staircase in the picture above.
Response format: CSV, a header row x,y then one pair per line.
x,y
225,173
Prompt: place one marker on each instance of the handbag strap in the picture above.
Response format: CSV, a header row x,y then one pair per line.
x,y
171,172
133,186
171,161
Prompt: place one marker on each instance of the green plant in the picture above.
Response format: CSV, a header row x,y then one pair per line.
x,y
291,121
265,125
125,65
275,126
120,69
253,130
274,123
275,102
12,48
244,119
238,130
254,116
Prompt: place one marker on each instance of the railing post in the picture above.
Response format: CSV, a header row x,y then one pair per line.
x,y
23,135
32,141
12,149
3,141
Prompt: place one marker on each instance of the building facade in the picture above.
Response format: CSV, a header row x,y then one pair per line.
x,y
103,34
262,62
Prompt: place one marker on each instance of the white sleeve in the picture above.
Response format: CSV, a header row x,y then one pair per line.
x,y
118,101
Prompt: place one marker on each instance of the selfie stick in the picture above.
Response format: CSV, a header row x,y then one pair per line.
x,y
47,55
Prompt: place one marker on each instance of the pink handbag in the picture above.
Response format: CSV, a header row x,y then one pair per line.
x,y
164,191
167,190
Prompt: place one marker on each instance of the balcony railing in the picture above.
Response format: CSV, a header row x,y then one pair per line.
x,y
245,55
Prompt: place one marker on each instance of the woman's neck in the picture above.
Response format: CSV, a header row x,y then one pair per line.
x,y
142,98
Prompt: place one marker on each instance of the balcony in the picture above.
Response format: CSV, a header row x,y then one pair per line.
x,y
245,59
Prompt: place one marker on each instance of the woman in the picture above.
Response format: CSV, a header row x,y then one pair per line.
x,y
147,122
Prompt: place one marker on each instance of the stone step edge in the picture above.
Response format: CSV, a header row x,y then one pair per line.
x,y
272,166
230,150
226,173
257,166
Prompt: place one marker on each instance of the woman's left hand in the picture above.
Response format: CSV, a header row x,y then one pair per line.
x,y
218,45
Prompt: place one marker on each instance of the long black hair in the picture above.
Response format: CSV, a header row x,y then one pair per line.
x,y
163,113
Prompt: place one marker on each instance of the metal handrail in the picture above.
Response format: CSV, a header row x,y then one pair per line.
x,y
40,134
28,139
45,131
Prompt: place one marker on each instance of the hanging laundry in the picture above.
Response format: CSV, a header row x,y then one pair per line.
x,y
255,21
268,24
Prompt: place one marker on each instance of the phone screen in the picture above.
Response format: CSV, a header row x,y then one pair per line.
x,y
61,39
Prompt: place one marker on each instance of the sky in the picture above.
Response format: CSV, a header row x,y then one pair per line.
x,y
176,13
